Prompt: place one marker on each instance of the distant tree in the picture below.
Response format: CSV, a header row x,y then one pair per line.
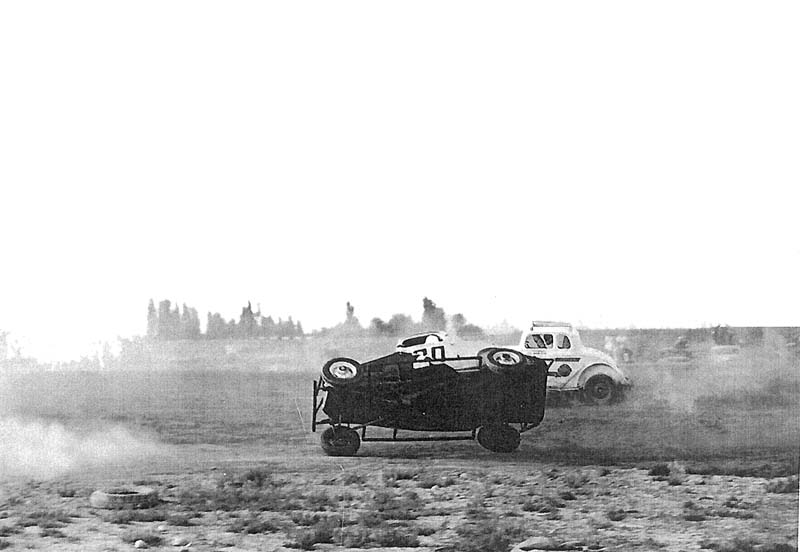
x,y
378,327
458,321
459,325
268,328
247,322
152,320
190,323
168,321
433,317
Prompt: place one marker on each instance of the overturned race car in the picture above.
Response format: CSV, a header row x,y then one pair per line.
x,y
491,397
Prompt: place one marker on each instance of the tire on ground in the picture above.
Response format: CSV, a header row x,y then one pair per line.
x,y
498,437
340,441
502,361
342,371
600,389
124,497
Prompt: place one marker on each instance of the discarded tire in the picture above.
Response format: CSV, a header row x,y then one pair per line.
x,y
341,371
124,497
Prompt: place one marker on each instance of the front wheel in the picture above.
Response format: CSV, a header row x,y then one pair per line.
x,y
342,371
340,441
600,389
498,437
502,361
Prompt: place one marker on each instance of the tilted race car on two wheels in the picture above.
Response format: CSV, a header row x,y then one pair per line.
x,y
429,385
494,395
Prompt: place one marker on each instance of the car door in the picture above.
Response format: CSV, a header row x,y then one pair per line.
x,y
566,362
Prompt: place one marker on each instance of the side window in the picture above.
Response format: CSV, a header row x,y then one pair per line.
x,y
564,343
539,341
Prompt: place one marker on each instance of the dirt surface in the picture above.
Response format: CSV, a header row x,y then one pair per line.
x,y
696,458
439,499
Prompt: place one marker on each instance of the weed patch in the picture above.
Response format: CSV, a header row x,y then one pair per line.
x,y
659,470
252,525
486,535
306,538
740,544
785,485
124,517
46,519
542,504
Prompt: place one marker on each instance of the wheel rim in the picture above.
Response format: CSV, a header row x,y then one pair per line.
x,y
505,358
343,370
601,390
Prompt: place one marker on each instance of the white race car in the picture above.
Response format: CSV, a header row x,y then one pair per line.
x,y
588,374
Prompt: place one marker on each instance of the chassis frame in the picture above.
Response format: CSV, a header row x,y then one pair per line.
x,y
320,387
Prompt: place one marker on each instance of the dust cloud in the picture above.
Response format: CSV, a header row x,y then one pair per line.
x,y
40,449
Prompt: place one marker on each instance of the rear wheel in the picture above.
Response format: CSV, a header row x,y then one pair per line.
x,y
498,437
340,441
342,371
502,361
600,389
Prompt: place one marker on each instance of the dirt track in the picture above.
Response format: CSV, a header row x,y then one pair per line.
x,y
234,462
586,507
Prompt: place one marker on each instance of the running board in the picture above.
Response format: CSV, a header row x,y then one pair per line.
x,y
409,439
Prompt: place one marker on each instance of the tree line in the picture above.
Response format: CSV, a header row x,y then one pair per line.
x,y
170,322
433,318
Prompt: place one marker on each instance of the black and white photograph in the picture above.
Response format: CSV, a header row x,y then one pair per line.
x,y
411,276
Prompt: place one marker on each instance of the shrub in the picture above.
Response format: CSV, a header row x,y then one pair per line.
x,y
616,515
486,535
51,532
784,485
252,525
353,479
253,490
46,519
124,517
659,470
180,520
543,504
321,533
575,480
7,531
392,537
392,476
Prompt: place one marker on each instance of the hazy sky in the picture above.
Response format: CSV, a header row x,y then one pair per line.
x,y
611,163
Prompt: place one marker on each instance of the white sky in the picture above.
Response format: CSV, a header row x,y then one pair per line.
x,y
613,163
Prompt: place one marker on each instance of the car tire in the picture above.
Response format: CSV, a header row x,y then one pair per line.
x,y
498,438
124,498
502,361
340,441
599,390
342,371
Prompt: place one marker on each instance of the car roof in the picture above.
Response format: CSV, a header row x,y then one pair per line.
x,y
549,324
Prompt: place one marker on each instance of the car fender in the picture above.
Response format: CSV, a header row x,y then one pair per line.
x,y
598,368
